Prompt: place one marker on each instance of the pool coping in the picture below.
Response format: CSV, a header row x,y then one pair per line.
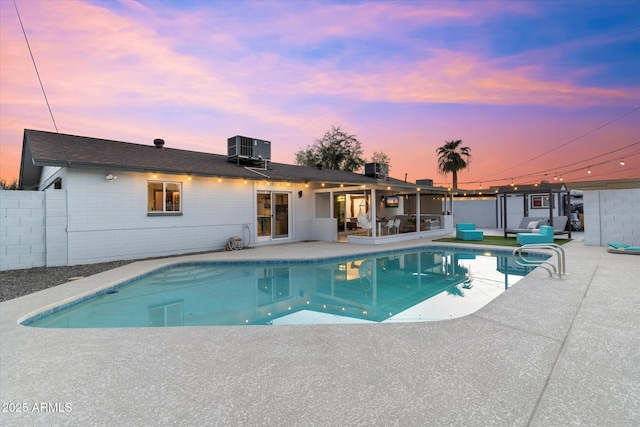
x,y
546,352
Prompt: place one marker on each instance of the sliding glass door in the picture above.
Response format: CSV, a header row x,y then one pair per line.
x,y
272,215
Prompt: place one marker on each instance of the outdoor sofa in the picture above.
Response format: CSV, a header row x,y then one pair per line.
x,y
530,224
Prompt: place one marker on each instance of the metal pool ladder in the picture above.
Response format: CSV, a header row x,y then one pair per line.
x,y
520,258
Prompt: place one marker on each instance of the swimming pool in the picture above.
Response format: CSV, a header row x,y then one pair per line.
x,y
431,283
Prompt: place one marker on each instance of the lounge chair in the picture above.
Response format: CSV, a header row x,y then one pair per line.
x,y
545,235
527,225
560,224
623,248
467,231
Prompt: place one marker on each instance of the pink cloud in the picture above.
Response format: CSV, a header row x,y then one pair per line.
x,y
191,76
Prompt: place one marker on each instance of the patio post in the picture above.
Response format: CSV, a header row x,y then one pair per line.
x,y
417,210
374,218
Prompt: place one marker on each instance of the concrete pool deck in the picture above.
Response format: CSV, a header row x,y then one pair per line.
x,y
548,352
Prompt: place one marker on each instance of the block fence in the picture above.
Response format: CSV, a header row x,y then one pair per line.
x,y
612,215
33,229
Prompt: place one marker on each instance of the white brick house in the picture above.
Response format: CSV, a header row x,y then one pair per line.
x,y
96,200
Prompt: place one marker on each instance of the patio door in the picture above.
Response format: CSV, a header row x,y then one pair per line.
x,y
272,215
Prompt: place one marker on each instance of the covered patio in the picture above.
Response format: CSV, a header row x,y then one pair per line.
x,y
361,214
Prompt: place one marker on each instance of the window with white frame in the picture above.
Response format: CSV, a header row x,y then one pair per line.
x,y
164,197
540,202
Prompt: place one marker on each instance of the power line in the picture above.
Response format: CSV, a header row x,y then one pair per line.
x,y
566,143
34,66
561,169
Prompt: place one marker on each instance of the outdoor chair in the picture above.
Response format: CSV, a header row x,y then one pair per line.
x,y
545,235
396,225
364,223
467,231
389,225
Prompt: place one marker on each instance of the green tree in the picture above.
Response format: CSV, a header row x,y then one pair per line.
x,y
9,186
336,150
381,157
453,158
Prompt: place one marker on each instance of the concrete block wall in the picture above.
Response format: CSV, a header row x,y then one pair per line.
x,y
612,215
32,229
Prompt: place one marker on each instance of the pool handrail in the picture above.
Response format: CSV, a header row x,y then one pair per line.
x,y
520,258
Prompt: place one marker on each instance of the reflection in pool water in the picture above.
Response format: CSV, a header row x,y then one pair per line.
x,y
420,285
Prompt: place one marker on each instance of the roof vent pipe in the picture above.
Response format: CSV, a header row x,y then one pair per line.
x,y
159,143
319,165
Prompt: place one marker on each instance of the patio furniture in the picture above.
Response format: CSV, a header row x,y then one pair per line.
x,y
389,225
530,224
560,224
527,225
396,225
405,225
623,248
545,235
364,223
467,231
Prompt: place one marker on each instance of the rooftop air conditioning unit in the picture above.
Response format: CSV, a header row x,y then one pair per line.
x,y
425,182
248,149
377,170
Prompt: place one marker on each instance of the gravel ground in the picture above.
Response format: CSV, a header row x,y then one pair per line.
x,y
16,283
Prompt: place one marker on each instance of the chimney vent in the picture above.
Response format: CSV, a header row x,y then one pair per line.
x,y
159,143
319,165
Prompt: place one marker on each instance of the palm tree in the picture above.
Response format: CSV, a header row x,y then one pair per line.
x,y
453,158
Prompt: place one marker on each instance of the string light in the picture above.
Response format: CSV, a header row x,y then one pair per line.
x,y
532,176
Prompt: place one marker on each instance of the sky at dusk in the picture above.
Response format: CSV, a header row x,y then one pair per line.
x,y
537,90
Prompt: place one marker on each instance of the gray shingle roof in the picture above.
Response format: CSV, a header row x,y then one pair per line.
x,y
41,148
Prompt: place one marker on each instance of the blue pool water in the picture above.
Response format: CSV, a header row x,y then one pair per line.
x,y
402,286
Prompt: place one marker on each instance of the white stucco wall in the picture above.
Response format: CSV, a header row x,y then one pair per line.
x,y
479,211
612,215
